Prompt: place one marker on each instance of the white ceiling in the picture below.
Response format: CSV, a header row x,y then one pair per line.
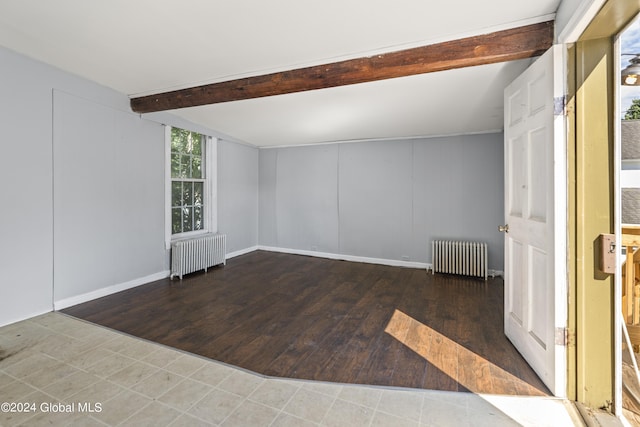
x,y
145,46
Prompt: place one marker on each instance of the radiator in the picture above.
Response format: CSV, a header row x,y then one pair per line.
x,y
198,253
463,258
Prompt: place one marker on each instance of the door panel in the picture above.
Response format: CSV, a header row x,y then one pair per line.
x,y
532,292
538,176
515,296
517,175
538,320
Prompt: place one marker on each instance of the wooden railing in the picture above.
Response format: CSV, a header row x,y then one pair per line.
x,y
631,283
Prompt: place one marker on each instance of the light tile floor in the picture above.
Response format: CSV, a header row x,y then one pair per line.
x,y
57,370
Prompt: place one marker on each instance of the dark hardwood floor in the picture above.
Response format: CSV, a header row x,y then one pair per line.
x,y
313,318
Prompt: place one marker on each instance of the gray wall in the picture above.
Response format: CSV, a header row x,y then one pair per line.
x,y
305,208
238,195
384,199
26,189
26,228
108,197
82,189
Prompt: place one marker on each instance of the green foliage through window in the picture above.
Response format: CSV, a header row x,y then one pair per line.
x,y
187,181
633,113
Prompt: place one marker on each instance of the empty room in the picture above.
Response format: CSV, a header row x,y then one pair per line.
x,y
305,214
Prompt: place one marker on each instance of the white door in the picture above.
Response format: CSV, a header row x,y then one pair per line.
x,y
535,305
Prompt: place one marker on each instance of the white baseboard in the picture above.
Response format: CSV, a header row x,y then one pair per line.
x,y
79,299
242,252
381,261
342,257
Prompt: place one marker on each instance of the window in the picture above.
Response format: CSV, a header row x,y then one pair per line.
x,y
191,183
187,181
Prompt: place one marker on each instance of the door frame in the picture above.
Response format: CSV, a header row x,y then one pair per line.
x,y
594,359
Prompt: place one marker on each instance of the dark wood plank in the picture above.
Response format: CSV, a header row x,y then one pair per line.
x,y
507,45
410,363
363,348
313,318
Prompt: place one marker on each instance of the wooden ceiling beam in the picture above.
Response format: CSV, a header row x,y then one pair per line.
x,y
507,45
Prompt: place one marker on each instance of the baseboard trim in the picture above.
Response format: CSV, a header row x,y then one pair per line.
x,y
103,292
354,258
343,257
242,252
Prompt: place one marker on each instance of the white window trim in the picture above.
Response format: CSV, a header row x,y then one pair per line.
x,y
210,189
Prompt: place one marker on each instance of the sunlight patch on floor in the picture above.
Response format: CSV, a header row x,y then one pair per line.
x,y
471,370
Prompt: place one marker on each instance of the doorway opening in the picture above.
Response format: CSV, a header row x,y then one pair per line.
x,y
627,160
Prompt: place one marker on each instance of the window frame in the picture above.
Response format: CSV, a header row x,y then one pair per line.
x,y
209,194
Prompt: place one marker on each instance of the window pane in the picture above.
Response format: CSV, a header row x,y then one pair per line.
x,y
185,166
176,220
191,139
187,219
176,194
196,167
187,193
198,191
198,222
175,165
197,144
178,139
